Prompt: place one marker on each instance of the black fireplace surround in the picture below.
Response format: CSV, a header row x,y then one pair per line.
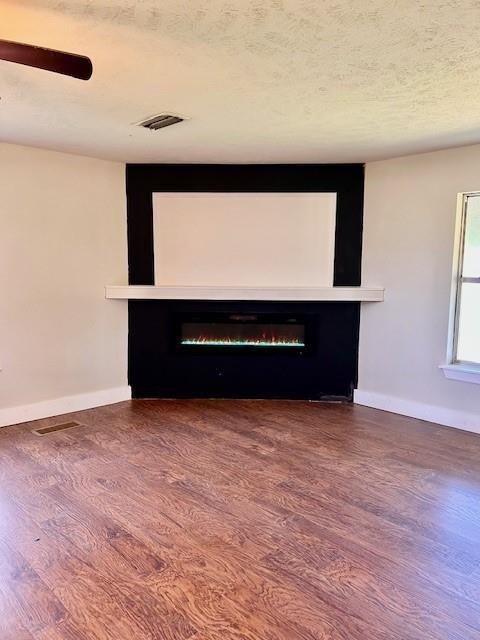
x,y
244,349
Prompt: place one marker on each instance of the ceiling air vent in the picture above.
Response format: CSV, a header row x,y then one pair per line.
x,y
160,121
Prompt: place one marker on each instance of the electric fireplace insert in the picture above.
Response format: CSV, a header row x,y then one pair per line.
x,y
242,332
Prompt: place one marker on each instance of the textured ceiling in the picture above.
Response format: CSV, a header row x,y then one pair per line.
x,y
262,80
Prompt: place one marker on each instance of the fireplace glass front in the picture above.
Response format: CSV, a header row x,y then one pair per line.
x,y
242,331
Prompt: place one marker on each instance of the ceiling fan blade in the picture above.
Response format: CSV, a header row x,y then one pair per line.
x,y
68,64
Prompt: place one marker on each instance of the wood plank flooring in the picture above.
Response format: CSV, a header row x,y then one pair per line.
x,y
239,520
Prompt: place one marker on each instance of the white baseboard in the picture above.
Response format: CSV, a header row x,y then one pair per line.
x,y
430,413
59,406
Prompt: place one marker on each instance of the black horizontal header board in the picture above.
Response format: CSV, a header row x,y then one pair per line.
x,y
346,180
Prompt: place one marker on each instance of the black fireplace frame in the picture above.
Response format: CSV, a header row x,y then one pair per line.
x,y
310,335
326,372
154,371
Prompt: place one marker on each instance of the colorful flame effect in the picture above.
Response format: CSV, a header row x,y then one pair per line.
x,y
262,341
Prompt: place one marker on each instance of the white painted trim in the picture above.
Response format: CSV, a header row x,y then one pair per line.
x,y
59,406
430,413
462,372
312,294
455,281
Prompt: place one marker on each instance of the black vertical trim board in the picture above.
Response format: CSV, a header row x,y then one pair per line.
x,y
153,369
346,180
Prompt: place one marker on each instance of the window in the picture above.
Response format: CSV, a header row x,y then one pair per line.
x,y
468,290
464,347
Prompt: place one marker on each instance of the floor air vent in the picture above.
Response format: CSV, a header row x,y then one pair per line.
x,y
161,121
43,431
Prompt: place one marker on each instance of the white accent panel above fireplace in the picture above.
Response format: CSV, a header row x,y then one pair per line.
x,y
244,239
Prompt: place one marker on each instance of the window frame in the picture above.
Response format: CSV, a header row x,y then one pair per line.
x,y
463,370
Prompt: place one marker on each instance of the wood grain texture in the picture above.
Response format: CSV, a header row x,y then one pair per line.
x,y
239,520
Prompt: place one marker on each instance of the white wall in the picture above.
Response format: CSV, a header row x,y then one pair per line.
x,y
244,239
62,238
410,207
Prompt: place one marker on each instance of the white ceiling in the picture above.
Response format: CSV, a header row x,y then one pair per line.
x,y
262,80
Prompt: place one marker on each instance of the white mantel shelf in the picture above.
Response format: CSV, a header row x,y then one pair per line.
x,y
279,294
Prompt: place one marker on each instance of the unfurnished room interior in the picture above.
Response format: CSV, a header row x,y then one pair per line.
x,y
239,320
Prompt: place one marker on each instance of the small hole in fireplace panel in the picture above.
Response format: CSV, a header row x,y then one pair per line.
x,y
240,332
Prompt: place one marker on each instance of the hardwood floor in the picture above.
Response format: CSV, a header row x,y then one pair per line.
x,y
239,520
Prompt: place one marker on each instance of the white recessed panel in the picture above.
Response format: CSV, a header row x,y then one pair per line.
x,y
249,239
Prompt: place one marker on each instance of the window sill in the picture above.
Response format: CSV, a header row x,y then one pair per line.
x,y
462,372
